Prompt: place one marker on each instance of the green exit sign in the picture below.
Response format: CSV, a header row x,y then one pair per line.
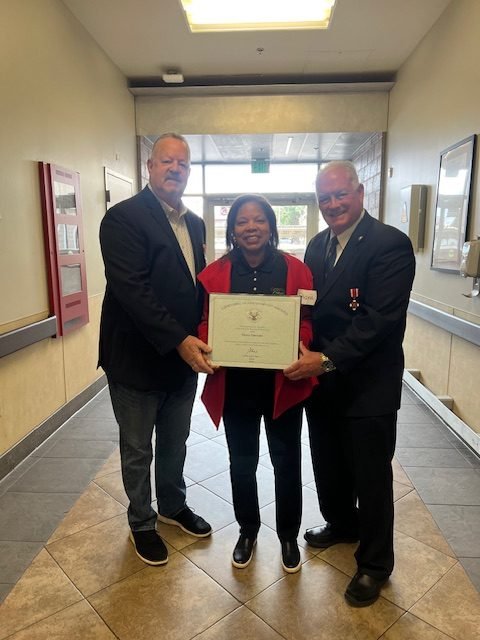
x,y
260,166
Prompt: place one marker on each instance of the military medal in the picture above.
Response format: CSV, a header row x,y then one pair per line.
x,y
354,295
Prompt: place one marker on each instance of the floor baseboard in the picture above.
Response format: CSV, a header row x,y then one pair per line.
x,y
14,456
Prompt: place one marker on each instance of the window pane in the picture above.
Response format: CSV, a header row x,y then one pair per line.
x,y
194,203
282,178
71,279
321,222
195,181
65,203
292,228
67,235
220,216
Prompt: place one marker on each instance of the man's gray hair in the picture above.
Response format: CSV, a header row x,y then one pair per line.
x,y
171,134
348,166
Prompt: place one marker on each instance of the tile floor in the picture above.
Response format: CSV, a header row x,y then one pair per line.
x,y
67,569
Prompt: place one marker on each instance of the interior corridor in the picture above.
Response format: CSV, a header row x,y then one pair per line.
x,y
68,570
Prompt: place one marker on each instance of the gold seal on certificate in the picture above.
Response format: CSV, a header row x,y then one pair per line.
x,y
255,331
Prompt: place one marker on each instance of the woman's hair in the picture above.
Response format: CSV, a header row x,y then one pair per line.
x,y
267,209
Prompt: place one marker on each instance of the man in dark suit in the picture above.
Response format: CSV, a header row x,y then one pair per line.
x,y
153,248
363,272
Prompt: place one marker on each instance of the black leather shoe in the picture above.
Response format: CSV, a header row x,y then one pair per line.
x,y
290,556
243,552
326,536
363,590
189,522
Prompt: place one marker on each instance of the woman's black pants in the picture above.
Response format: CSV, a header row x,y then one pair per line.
x,y
242,428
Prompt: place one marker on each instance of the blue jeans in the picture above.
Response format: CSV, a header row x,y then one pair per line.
x,y
137,413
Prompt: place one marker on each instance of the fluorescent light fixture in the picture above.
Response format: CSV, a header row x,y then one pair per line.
x,y
289,144
257,15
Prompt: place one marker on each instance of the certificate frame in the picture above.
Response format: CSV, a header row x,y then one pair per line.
x,y
253,331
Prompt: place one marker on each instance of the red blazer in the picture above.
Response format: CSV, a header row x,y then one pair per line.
x,y
216,279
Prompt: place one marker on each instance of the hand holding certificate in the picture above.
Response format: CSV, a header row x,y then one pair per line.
x,y
253,331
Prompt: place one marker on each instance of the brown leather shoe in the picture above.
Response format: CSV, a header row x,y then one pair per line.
x,y
326,536
363,590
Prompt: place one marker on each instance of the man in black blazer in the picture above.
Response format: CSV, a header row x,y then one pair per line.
x,y
363,272
153,248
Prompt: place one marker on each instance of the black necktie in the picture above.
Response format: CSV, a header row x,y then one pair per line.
x,y
331,256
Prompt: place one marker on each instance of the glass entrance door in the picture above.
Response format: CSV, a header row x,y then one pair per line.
x,y
297,221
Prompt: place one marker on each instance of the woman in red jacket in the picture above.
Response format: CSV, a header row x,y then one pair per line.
x,y
254,265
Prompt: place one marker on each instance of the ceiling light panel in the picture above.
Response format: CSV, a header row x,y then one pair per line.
x,y
257,15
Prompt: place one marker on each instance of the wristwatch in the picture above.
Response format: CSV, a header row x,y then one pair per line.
x,y
327,364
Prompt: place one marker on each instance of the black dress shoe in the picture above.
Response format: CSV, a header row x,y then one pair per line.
x,y
243,552
363,590
290,556
189,522
326,536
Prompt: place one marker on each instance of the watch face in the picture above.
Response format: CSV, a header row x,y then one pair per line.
x,y
328,365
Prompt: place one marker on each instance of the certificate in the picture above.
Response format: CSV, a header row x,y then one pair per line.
x,y
255,331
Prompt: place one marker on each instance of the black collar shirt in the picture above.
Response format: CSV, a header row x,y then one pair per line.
x,y
269,277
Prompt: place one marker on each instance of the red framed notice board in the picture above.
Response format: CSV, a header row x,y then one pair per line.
x,y
64,246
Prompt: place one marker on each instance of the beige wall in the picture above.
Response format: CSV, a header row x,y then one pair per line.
x,y
433,105
64,102
262,114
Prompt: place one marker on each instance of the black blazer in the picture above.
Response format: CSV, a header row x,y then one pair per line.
x,y
151,301
365,344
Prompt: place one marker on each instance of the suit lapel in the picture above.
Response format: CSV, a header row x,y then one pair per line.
x,y
323,253
315,256
160,217
354,245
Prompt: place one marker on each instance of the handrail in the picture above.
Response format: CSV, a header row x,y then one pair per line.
x,y
458,326
25,336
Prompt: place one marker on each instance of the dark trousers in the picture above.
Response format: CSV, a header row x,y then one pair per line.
x,y
353,473
242,428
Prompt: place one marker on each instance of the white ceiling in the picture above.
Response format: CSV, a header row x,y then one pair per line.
x,y
144,38
367,42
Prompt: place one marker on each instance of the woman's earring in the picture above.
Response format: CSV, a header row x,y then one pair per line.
x,y
234,240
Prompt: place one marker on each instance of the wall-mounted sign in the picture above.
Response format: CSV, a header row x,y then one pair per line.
x,y
64,247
